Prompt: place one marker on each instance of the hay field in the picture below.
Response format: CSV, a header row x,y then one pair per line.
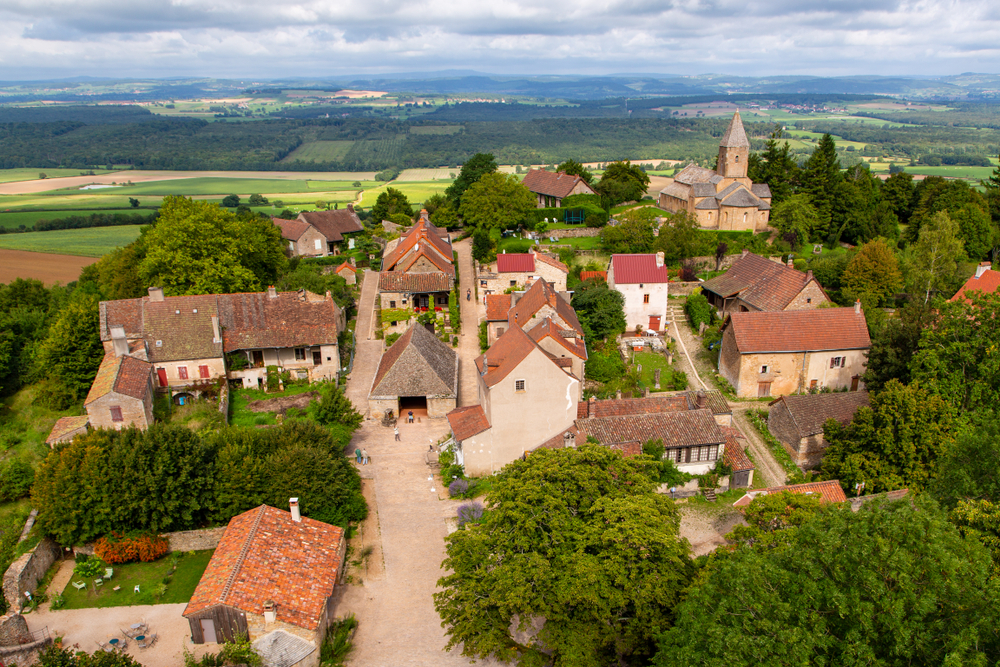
x,y
50,269
92,242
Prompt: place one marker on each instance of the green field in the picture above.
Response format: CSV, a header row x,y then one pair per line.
x,y
12,175
92,242
14,219
223,186
416,191
320,151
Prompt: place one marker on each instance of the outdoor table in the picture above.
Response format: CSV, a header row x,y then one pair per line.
x,y
136,626
140,638
113,642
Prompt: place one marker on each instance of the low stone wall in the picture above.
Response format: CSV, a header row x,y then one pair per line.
x,y
24,574
13,630
682,289
573,233
183,540
18,645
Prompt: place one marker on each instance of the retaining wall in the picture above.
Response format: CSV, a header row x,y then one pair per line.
x,y
18,645
184,540
24,574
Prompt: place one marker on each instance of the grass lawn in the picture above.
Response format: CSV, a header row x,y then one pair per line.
x,y
577,243
180,584
91,242
240,415
650,361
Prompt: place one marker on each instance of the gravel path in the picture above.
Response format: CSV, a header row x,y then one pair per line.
x,y
369,349
771,471
468,341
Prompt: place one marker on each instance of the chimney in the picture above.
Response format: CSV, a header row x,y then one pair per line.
x,y
982,268
857,307
809,275
216,334
645,392
156,294
350,207
745,251
270,611
618,395
659,260
293,505
271,292
702,399
569,440
791,264
592,407
119,340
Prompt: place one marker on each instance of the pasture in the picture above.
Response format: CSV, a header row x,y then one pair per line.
x,y
14,219
91,242
14,175
320,151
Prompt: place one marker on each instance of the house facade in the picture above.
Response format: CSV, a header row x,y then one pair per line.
x,y
754,283
551,188
303,239
497,308
337,226
643,280
797,421
348,271
520,270
418,273
788,352
417,373
122,394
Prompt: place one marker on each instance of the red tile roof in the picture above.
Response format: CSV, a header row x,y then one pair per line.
x,y
431,245
677,429
346,266
541,294
632,406
467,422
634,269
122,375
760,282
291,230
515,262
987,283
809,412
66,425
265,555
735,456
567,339
594,275
497,307
392,281
333,224
800,330
290,319
505,355
554,184
828,492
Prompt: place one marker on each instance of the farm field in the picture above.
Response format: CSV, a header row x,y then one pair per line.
x,y
14,219
416,191
91,242
50,269
320,151
12,175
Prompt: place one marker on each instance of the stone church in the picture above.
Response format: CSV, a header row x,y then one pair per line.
x,y
724,198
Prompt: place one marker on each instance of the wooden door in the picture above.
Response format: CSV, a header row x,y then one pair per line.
x,y
763,389
854,383
258,358
654,322
317,358
161,373
741,479
208,631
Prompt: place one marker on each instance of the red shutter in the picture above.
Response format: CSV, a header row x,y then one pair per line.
x,y
161,373
182,372
203,371
116,414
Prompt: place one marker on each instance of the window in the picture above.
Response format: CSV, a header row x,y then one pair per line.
x,y
837,362
645,298
675,455
500,331
182,372
737,159
319,244
392,304
203,371
116,414
513,283
763,369
705,453
518,385
300,354
809,300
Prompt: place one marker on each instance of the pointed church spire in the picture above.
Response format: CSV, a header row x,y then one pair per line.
x,y
735,136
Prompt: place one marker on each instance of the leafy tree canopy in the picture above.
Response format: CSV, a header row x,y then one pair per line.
x,y
770,518
622,182
72,351
894,343
574,168
632,234
477,166
797,215
601,310
966,468
872,276
496,201
391,202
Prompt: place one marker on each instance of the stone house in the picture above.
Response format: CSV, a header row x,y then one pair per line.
x,y
797,421
418,373
829,491
755,283
303,239
644,282
418,271
403,295
272,579
794,351
336,226
122,394
985,280
497,308
520,270
552,187
67,428
726,198
348,271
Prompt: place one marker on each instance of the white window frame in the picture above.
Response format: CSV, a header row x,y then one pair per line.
x,y
520,386
838,362
763,369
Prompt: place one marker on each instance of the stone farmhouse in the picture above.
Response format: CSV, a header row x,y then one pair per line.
x,y
303,239
520,270
319,233
417,373
271,579
122,394
418,271
552,187
203,339
754,283
644,281
797,421
794,351
985,280
725,198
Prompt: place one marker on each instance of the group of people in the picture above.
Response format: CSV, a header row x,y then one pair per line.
x,y
361,456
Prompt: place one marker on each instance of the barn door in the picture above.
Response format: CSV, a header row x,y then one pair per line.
x,y
763,389
161,373
741,479
208,631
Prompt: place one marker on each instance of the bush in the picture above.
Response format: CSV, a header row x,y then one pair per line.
x,y
392,338
453,312
118,548
335,408
470,513
90,568
458,487
605,365
698,310
16,478
484,337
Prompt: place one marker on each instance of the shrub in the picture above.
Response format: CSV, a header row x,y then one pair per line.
x,y
335,408
698,310
117,548
483,337
470,513
16,478
458,487
90,568
392,338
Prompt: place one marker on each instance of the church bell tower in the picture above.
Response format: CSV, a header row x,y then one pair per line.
x,y
734,151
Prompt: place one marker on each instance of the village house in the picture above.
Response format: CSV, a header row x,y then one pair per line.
x,y
319,233
303,239
122,394
726,198
193,341
797,421
497,309
552,187
67,428
418,274
272,580
794,351
643,281
519,270
348,271
755,283
418,374
829,491
985,280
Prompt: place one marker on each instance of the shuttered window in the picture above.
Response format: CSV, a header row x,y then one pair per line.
x,y
203,371
182,372
116,414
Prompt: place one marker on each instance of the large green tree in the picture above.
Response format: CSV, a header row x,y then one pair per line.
x,y
478,166
632,234
937,256
965,205
496,201
820,180
777,168
72,351
772,518
893,584
894,343
872,276
601,310
680,237
196,247
966,468
897,192
622,182
578,562
797,215
574,168
391,202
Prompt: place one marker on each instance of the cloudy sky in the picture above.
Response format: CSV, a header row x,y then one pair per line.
x,y
282,38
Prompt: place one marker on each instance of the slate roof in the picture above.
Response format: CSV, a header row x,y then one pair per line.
x,y
742,198
759,282
66,425
828,492
707,204
821,329
677,429
703,189
333,224
809,412
497,307
122,375
594,275
541,294
554,184
548,329
505,355
735,456
418,364
265,555
634,269
393,281
621,407
694,174
761,190
291,230
516,262
735,136
467,422
987,283
681,190
280,648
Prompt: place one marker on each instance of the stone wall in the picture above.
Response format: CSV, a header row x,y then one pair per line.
x,y
224,401
13,630
683,289
195,540
18,645
24,574
575,232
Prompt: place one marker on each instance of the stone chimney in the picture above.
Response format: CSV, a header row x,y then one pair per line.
x,y
618,394
119,340
659,260
592,406
857,307
271,292
350,207
156,294
982,268
569,439
216,333
745,251
270,611
701,399
293,505
809,275
790,264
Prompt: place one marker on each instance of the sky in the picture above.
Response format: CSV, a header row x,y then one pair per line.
x,y
317,38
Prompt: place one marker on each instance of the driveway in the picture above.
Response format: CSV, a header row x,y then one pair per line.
x,y
472,313
368,350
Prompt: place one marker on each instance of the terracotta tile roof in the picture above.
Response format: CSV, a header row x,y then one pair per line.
x,y
800,330
809,412
66,425
122,375
418,364
633,406
677,429
735,136
634,269
182,325
551,261
346,266
567,339
290,319
760,282
857,503
714,400
515,262
392,281
541,294
735,455
123,312
627,449
431,243
333,224
467,422
291,230
497,307
828,492
430,255
554,184
264,555
987,283
505,355
594,275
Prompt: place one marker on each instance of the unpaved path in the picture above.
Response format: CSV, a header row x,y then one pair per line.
x,y
468,342
766,465
706,528
368,351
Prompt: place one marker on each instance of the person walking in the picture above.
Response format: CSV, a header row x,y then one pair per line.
x,y
364,457
409,417
396,431
357,455
468,295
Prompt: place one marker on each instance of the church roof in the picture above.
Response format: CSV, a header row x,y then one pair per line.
x,y
708,204
742,198
681,190
703,189
735,136
761,190
694,174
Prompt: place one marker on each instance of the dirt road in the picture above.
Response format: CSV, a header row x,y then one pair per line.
x,y
771,471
